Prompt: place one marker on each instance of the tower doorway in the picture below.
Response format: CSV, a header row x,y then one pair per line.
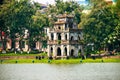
x,y
72,52
58,51
65,51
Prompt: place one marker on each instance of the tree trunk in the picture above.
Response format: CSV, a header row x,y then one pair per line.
x,y
20,46
13,44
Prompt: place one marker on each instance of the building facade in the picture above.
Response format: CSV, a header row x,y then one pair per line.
x,y
25,46
64,39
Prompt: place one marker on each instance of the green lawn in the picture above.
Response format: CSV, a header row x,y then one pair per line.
x,y
23,54
59,61
64,61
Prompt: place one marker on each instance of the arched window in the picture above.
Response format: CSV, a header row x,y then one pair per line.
x,y
59,36
65,26
65,51
65,36
72,52
52,36
59,27
72,38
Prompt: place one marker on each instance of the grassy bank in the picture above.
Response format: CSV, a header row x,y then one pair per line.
x,y
70,61
12,58
23,54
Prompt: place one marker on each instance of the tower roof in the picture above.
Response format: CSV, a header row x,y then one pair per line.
x,y
64,16
60,22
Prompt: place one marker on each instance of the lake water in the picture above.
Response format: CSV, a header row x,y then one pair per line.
x,y
87,71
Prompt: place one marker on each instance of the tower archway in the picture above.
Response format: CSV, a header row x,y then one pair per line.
x,y
65,51
51,50
72,52
58,51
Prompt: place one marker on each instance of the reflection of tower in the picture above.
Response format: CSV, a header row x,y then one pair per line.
x,y
64,38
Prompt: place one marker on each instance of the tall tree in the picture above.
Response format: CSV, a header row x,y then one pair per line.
x,y
37,29
4,12
17,18
99,24
66,7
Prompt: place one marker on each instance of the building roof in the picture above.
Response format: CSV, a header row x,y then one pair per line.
x,y
64,16
60,22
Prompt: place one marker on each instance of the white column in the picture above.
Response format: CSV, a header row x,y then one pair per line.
x,y
68,50
62,50
55,36
62,36
49,36
68,36
48,50
54,51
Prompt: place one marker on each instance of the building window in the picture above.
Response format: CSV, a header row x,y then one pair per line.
x,y
72,38
72,52
59,27
52,36
58,51
51,50
65,36
65,51
65,26
59,36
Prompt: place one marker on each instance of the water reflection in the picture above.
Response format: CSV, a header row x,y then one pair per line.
x,y
89,71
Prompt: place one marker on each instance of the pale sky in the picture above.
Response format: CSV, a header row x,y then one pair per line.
x,y
52,1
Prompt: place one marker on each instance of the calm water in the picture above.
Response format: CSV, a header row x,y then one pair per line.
x,y
88,71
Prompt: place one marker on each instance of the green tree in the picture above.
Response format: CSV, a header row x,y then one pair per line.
x,y
37,29
113,39
22,12
4,12
65,7
17,18
99,24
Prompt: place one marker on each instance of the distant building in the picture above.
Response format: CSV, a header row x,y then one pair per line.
x,y
64,38
25,47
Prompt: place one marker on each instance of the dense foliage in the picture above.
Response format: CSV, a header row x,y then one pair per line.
x,y
101,27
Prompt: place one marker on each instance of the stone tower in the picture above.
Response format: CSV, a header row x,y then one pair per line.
x,y
64,38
